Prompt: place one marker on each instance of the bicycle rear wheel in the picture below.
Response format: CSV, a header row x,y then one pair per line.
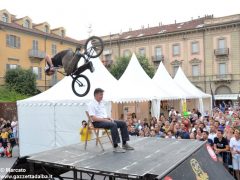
x,y
93,47
80,85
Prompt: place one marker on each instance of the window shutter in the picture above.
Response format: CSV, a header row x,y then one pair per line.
x,y
7,67
39,73
8,40
18,42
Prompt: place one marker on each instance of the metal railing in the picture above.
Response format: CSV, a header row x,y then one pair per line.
x,y
222,77
157,58
34,53
221,52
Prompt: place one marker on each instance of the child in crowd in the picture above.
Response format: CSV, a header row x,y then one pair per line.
x,y
8,150
83,132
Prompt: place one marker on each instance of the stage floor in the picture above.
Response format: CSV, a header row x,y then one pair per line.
x,y
154,156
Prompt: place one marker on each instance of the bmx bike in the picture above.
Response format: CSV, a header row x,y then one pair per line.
x,y
92,49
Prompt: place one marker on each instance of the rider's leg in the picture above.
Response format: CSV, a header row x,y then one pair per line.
x,y
49,61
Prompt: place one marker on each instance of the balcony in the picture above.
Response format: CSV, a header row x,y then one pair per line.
x,y
33,53
222,78
157,58
221,52
196,78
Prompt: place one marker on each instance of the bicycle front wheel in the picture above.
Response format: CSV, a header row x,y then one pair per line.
x,y
80,85
94,47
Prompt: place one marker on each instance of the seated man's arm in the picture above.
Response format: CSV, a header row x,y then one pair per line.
x,y
98,119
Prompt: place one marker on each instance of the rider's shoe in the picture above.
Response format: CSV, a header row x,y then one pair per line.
x,y
91,68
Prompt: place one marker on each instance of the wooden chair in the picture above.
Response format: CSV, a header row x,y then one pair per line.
x,y
96,132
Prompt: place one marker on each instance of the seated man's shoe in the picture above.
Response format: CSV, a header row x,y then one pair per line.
x,y
118,149
127,147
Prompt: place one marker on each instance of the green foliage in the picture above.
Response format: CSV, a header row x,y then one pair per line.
x,y
7,95
21,81
119,66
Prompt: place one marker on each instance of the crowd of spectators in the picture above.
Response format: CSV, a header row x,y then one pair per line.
x,y
219,128
8,136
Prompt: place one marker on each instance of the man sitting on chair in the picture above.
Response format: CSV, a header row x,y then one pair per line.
x,y
97,112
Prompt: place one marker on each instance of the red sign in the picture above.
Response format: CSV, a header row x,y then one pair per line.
x,y
168,178
211,152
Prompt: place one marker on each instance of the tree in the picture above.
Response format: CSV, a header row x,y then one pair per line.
x,y
119,66
21,80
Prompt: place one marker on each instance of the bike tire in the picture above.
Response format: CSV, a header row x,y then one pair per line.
x,y
99,43
73,85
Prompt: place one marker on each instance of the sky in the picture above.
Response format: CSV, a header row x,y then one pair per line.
x,y
115,16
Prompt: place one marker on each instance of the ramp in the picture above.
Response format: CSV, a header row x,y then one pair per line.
x,y
153,158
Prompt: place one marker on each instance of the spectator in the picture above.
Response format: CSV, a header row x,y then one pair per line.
x,y
4,136
1,150
221,147
235,150
83,132
199,132
205,138
14,126
8,150
212,133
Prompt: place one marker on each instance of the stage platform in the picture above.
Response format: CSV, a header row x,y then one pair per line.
x,y
153,158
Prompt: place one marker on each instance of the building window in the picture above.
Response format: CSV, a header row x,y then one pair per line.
x,y
126,53
142,51
54,79
54,49
195,47
26,23
221,43
195,70
12,66
222,68
13,41
158,53
46,29
5,17
35,44
38,72
175,68
176,49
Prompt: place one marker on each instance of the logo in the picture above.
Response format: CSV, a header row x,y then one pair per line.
x,y
211,152
200,175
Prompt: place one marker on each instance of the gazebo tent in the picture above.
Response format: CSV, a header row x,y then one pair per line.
x,y
53,118
204,100
136,85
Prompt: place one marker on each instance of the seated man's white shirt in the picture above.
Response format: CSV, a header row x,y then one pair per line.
x,y
97,109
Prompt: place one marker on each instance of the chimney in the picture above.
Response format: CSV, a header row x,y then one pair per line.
x,y
199,17
191,18
175,22
148,25
142,26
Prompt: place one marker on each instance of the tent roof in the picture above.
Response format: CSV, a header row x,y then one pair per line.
x,y
163,79
62,91
183,82
135,84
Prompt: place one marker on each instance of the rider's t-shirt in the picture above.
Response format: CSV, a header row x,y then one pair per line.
x,y
57,59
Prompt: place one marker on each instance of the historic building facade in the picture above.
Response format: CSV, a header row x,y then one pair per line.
x,y
25,44
208,50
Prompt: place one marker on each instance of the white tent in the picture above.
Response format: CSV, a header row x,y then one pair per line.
x,y
136,85
182,81
163,79
53,118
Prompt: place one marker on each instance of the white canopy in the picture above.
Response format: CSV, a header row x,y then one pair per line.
x,y
163,79
53,118
136,85
182,81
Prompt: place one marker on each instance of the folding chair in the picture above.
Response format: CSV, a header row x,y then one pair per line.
x,y
96,132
